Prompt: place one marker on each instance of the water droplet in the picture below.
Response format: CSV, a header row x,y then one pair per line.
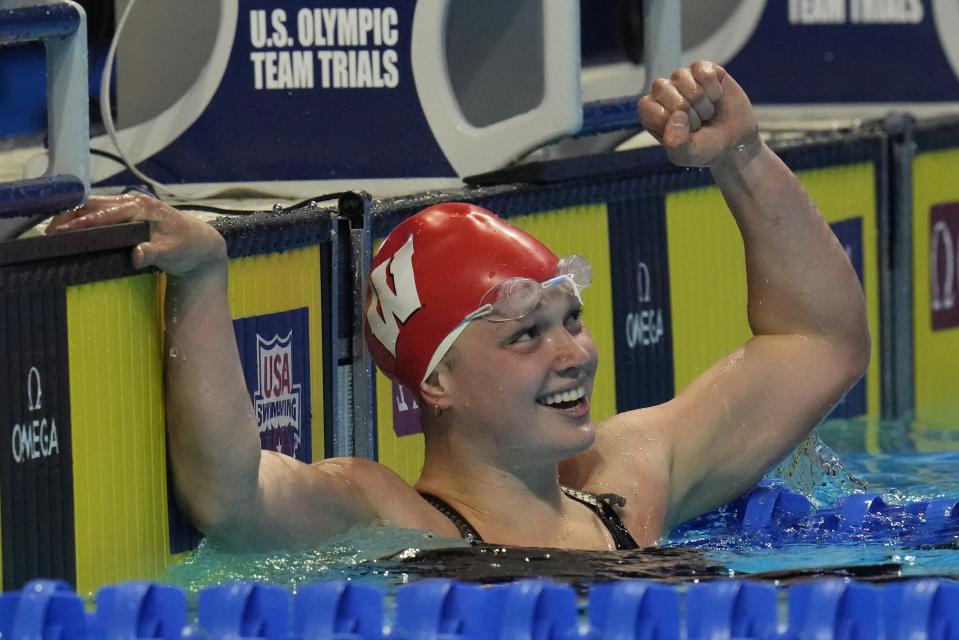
x,y
174,353
277,208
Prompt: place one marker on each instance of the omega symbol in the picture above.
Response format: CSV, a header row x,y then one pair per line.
x,y
944,290
643,282
34,390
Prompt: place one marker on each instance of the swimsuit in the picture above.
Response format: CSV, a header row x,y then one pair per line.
x,y
600,505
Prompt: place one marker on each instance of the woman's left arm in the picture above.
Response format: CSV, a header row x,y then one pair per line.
x,y
805,304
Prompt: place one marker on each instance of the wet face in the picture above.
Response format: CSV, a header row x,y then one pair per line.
x,y
525,384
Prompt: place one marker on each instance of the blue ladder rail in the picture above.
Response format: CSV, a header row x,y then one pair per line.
x,y
26,24
40,196
61,27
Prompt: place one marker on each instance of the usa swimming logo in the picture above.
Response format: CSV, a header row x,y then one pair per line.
x,y
275,353
277,402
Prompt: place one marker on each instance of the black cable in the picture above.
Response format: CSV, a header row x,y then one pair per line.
x,y
149,190
244,212
107,154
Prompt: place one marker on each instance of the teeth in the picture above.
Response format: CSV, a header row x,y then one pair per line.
x,y
564,396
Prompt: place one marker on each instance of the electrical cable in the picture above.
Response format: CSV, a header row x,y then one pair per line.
x,y
243,212
226,211
107,154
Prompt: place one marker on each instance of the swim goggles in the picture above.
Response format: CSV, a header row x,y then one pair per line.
x,y
513,298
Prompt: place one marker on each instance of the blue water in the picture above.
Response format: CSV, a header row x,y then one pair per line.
x,y
904,463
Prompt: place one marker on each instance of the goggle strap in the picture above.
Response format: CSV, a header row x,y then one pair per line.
x,y
444,346
483,311
577,289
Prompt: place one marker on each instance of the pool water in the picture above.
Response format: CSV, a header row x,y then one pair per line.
x,y
904,463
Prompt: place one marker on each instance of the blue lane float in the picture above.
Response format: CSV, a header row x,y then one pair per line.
x,y
341,610
770,514
836,609
453,610
919,607
525,609
43,609
731,609
631,608
245,610
139,610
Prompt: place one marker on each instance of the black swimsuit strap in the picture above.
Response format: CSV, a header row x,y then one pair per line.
x,y
462,524
606,514
599,504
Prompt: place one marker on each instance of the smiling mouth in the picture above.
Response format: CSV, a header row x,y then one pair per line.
x,y
573,402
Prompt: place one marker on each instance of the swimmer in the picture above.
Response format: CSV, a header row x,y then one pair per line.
x,y
483,322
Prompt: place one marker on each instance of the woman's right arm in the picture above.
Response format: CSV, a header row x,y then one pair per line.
x,y
231,489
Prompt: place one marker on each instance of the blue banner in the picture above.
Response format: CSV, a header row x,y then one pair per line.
x,y
849,233
641,305
851,51
311,91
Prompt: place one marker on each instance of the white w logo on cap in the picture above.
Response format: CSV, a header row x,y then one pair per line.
x,y
394,306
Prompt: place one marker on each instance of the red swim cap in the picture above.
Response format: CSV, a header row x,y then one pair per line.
x,y
430,273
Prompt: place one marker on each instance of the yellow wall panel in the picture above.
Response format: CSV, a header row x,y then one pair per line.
x,y
936,352
404,455
278,282
707,268
707,283
117,421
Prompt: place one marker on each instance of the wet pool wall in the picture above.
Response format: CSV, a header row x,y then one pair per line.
x,y
84,487
669,292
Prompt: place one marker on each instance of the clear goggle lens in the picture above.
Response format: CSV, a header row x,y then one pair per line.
x,y
513,298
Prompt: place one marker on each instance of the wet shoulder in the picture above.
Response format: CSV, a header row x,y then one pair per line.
x,y
630,459
388,495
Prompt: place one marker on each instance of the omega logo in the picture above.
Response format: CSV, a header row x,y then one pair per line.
x,y
37,436
942,266
644,327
